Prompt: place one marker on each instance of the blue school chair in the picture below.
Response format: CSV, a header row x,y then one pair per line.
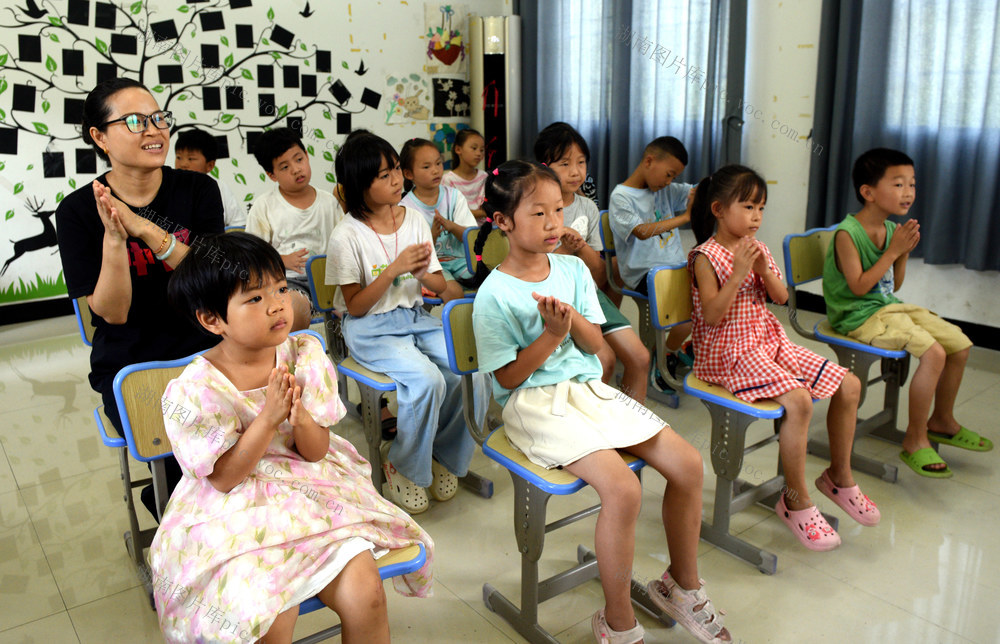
x,y
670,305
533,486
138,392
805,255
136,539
647,332
372,385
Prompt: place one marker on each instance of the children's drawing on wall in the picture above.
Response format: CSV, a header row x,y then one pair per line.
x,y
443,136
451,97
410,97
446,41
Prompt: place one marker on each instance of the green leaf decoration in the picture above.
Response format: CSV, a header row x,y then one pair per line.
x,y
3,115
328,156
343,64
192,115
228,62
53,38
214,172
414,77
226,118
59,197
246,73
249,197
265,41
9,215
182,97
224,40
262,177
319,133
194,73
46,105
306,62
31,166
56,21
3,60
18,187
41,128
50,63
240,179
136,7
2,165
158,89
236,163
283,110
311,150
302,46
391,80
184,8
276,55
326,115
101,45
331,178
270,14
194,32
72,183
176,58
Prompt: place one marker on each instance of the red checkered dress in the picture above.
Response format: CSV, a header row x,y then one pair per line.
x,y
748,352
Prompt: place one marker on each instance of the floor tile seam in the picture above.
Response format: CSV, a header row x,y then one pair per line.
x,y
66,478
7,630
482,616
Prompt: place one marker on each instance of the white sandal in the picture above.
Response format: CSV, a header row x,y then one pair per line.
x,y
692,609
404,492
445,484
607,635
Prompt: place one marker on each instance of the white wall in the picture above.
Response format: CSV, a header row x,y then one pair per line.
x,y
782,50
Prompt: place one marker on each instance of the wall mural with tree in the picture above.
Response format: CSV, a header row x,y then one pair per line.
x,y
231,67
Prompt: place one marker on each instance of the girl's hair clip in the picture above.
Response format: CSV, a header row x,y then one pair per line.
x,y
489,220
479,258
496,171
545,164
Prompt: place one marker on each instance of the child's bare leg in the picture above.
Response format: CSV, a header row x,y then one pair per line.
x,y
607,357
841,421
301,311
614,539
452,291
922,387
677,336
357,596
943,419
632,352
681,465
282,628
792,439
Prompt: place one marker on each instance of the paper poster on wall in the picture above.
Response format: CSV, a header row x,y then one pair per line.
x,y
443,136
411,96
451,97
446,38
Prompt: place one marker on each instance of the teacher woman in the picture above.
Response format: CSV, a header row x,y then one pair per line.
x,y
120,237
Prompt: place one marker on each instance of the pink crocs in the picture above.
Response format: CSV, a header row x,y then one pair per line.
x,y
809,526
850,499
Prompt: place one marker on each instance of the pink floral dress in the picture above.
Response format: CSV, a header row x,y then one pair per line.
x,y
226,564
748,352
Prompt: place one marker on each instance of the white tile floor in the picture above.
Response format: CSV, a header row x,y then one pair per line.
x,y
929,573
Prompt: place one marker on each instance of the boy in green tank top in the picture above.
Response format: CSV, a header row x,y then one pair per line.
x,y
865,265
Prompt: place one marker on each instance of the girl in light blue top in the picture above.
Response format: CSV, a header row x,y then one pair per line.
x,y
536,320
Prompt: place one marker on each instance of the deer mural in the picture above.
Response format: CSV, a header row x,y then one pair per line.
x,y
43,240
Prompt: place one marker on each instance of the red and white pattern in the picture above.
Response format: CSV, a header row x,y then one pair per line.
x,y
748,352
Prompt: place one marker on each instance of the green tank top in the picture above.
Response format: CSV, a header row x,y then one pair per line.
x,y
845,310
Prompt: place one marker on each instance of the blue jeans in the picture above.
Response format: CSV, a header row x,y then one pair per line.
x,y
408,346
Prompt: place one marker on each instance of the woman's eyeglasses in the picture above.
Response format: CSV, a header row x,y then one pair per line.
x,y
138,123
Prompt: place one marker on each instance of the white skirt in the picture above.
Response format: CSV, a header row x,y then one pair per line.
x,y
559,424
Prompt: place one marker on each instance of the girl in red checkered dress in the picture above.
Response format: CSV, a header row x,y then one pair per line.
x,y
740,345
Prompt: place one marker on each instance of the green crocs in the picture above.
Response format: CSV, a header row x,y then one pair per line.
x,y
965,438
923,457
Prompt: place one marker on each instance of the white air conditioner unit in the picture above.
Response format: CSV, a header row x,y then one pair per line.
x,y
495,69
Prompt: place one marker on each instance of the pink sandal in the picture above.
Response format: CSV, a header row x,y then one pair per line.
x,y
850,499
809,526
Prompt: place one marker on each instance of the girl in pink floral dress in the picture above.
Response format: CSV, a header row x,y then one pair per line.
x,y
741,346
273,507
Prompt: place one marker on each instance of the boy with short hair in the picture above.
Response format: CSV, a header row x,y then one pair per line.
x,y
643,212
197,151
866,263
294,217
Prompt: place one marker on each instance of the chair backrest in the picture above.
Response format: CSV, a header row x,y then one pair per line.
x,y
670,287
320,292
459,338
607,237
139,392
233,229
805,254
84,320
494,251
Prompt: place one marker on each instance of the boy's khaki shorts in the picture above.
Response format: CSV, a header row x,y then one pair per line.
x,y
910,328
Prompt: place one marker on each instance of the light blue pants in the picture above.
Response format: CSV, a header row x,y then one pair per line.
x,y
408,346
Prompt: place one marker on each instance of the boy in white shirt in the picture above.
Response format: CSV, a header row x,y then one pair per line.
x,y
197,151
294,217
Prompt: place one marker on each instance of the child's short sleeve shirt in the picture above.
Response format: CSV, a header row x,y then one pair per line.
x,y
506,320
583,217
